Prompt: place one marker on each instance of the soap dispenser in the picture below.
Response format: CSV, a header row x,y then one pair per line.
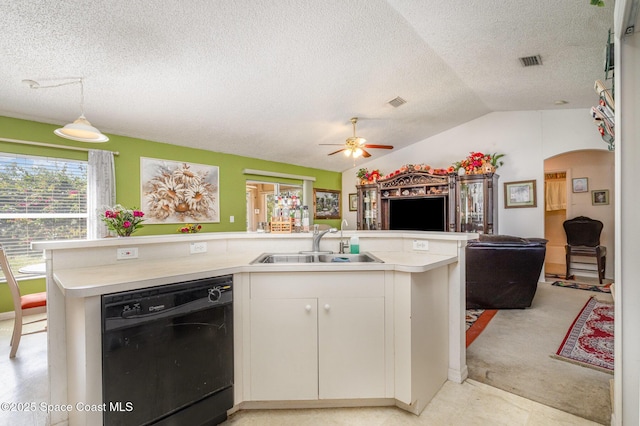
x,y
354,244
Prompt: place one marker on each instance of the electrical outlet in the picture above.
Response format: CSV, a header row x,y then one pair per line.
x,y
200,247
127,253
232,219
422,245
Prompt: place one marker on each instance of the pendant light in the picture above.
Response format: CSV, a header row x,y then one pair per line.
x,y
80,130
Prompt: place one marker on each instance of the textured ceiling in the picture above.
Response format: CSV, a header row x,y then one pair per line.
x,y
273,79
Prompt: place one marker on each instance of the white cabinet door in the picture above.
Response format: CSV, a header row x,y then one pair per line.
x,y
284,349
352,348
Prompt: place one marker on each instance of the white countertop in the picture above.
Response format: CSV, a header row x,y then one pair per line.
x,y
85,268
98,280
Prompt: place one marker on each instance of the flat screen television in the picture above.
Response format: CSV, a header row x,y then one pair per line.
x,y
418,214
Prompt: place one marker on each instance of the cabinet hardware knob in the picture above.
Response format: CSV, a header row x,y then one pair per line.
x,y
327,307
308,308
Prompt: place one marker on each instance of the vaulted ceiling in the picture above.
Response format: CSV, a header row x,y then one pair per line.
x,y
273,79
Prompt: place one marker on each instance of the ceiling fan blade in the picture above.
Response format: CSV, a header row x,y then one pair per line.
x,y
365,154
336,144
379,146
335,152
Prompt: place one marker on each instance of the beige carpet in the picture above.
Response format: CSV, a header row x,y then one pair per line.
x,y
513,354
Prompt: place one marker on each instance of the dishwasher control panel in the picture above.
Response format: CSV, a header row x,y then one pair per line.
x,y
188,295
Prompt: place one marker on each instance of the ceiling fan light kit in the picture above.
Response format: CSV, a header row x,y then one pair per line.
x,y
355,146
80,130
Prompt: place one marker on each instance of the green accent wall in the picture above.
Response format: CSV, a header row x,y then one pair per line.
x,y
127,165
26,287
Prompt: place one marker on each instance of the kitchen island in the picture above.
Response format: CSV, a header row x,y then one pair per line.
x,y
395,329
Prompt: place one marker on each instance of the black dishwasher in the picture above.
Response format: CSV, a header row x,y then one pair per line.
x,y
167,354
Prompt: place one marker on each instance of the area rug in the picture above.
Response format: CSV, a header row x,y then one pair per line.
x,y
604,288
476,321
589,341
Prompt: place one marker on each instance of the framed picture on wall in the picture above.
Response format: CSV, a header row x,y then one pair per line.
x,y
353,202
580,184
520,194
600,197
326,204
178,192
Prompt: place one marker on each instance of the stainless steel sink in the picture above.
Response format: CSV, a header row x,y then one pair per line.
x,y
284,258
315,258
346,258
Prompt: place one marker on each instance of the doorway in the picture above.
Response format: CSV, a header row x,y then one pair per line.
x,y
263,197
587,173
555,213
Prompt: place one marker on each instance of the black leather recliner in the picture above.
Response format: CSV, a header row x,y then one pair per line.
x,y
502,272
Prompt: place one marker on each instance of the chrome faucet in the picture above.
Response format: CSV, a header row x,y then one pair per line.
x,y
343,244
317,235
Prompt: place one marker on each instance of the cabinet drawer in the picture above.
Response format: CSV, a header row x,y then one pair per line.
x,y
296,285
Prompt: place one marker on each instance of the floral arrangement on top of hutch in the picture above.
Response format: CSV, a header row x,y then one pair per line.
x,y
418,197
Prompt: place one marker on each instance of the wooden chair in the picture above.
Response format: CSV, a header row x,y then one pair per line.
x,y
28,304
583,240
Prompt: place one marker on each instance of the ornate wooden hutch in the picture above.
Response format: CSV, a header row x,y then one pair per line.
x,y
476,203
419,200
368,213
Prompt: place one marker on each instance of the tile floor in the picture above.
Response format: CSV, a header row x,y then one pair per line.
x,y
24,379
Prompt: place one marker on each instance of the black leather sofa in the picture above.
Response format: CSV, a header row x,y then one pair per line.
x,y
502,271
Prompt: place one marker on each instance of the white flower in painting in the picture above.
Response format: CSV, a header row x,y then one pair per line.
x,y
160,208
195,194
168,188
186,176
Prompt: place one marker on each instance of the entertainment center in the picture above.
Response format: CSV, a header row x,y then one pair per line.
x,y
417,200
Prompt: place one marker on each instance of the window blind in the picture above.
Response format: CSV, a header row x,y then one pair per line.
x,y
40,199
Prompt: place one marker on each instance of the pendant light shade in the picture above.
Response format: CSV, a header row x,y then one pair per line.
x,y
81,130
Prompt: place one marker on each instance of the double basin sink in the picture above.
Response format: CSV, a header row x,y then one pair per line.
x,y
312,257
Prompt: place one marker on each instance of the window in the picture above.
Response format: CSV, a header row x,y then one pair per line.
x,y
40,199
285,194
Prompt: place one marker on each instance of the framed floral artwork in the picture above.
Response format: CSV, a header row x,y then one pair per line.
x,y
178,192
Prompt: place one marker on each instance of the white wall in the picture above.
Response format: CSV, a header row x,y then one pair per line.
x,y
526,137
627,294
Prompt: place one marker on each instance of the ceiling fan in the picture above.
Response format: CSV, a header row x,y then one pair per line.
x,y
355,146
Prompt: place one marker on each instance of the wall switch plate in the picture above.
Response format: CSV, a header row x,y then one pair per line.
x,y
199,247
422,245
232,219
127,253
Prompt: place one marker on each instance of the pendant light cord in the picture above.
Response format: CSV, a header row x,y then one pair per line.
x,y
35,84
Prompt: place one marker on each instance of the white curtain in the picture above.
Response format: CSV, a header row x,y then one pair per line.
x,y
101,192
556,194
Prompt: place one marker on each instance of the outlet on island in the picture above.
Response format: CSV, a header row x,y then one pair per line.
x,y
422,245
127,253
199,247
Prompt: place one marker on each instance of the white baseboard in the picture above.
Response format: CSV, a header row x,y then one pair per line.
x,y
7,315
